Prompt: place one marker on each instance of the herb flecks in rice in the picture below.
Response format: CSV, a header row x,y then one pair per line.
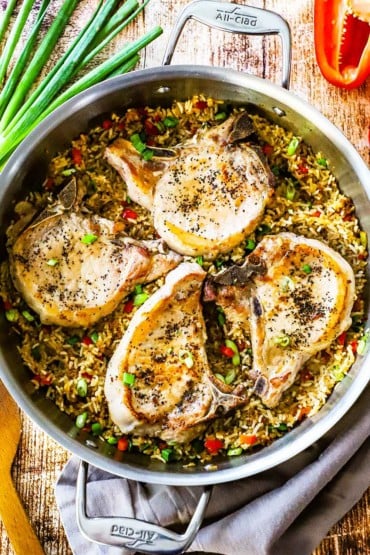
x,y
307,201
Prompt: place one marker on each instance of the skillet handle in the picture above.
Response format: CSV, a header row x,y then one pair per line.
x,y
131,533
235,18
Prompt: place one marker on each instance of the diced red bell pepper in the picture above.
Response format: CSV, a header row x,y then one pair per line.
x,y
49,184
129,214
342,41
302,169
122,444
226,351
213,445
87,340
201,105
76,156
267,149
107,124
353,344
7,305
128,306
150,128
342,338
43,380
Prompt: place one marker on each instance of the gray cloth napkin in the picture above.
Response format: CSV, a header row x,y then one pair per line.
x,y
287,509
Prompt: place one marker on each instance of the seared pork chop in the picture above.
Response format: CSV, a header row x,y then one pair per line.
x,y
158,381
139,175
73,269
297,301
209,196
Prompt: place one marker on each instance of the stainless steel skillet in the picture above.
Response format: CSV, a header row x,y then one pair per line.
x,y
162,85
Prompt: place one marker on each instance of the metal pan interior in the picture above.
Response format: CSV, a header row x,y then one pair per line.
x,y
28,166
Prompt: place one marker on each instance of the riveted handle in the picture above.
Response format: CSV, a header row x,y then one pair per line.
x,y
131,533
235,18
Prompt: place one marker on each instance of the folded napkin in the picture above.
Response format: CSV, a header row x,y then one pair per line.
x,y
287,509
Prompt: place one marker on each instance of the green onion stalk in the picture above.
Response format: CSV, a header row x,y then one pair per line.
x,y
23,103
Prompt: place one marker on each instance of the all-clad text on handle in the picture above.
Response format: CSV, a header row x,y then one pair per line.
x,y
131,533
235,18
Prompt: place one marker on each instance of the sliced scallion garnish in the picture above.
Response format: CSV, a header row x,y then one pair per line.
x,y
282,340
128,379
12,315
81,420
186,357
81,387
89,239
292,147
52,262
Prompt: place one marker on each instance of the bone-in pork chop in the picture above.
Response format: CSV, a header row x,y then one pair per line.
x,y
298,302
139,175
209,196
73,269
158,381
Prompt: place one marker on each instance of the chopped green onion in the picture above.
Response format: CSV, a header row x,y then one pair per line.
x,y
282,340
363,238
68,172
231,374
275,170
322,162
250,244
186,357
220,116
89,239
338,373
138,289
12,315
81,387
147,154
96,428
232,345
220,377
282,427
199,260
170,121
137,142
52,262
234,452
140,299
73,340
292,147
28,316
218,263
112,440
81,420
287,284
128,379
94,336
306,268
167,454
363,343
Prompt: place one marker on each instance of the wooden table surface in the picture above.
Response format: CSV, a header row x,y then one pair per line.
x,y
39,459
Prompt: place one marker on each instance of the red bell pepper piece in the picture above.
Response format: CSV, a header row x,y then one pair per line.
x,y
213,445
342,41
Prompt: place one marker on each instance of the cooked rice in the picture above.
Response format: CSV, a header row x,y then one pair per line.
x,y
58,357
